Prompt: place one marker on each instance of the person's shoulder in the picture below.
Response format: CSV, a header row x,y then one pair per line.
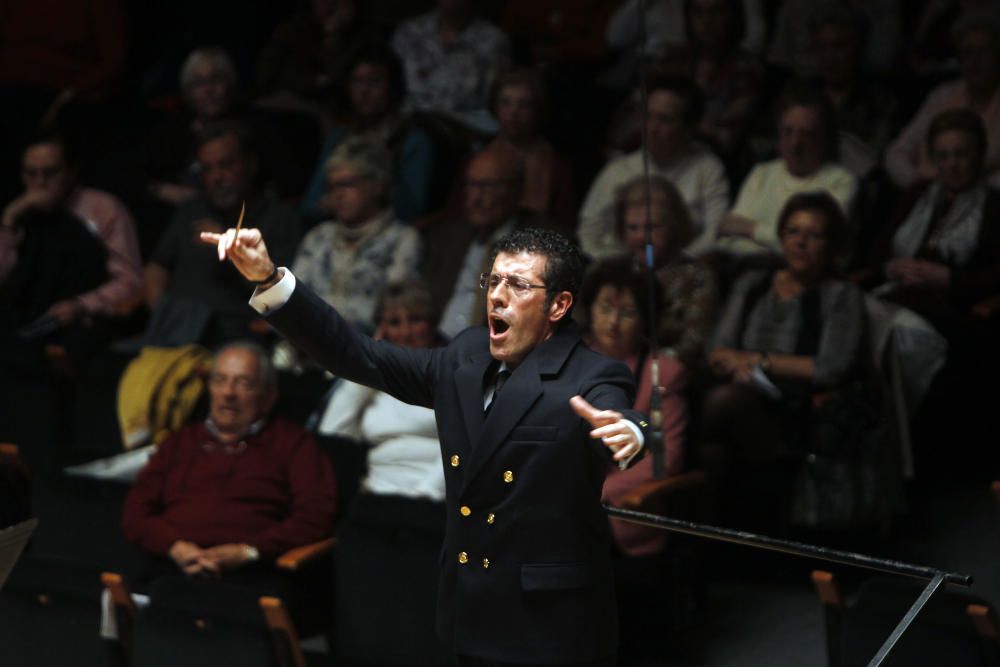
x,y
945,92
99,200
416,26
703,156
471,339
751,279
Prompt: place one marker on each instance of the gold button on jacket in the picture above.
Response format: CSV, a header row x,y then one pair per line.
x,y
490,518
463,557
486,563
454,460
508,476
465,510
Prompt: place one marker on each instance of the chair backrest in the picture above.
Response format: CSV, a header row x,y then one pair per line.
x,y
201,623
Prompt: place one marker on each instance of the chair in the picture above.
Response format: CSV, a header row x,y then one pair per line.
x,y
196,622
684,496
955,628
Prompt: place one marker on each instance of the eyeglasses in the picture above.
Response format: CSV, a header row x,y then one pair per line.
x,y
518,285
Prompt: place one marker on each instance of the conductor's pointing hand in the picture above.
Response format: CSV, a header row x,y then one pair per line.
x,y
245,249
611,427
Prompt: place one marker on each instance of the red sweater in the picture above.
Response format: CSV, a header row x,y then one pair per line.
x,y
278,493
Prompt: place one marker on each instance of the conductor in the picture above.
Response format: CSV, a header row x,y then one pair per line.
x,y
527,416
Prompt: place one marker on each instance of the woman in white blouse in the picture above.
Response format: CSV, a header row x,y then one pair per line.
x,y
389,541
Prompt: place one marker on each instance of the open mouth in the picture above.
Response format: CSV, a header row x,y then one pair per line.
x,y
498,327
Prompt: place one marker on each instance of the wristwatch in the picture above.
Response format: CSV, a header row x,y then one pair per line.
x,y
250,553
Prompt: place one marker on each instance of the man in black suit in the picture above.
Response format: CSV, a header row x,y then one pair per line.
x,y
526,562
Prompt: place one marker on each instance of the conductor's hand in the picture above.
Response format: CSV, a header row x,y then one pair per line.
x,y
245,250
611,427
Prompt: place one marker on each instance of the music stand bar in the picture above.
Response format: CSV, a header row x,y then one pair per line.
x,y
787,546
925,596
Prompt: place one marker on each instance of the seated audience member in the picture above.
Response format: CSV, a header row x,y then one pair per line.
x,y
349,259
458,251
309,54
451,59
375,91
782,335
553,35
688,300
207,297
50,175
49,258
791,40
667,29
520,105
208,85
807,147
389,542
226,496
863,106
976,36
942,253
730,79
673,111
615,298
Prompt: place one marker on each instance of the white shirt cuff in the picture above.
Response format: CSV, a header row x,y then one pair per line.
x,y
622,465
274,297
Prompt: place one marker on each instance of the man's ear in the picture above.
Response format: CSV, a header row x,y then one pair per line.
x,y
560,306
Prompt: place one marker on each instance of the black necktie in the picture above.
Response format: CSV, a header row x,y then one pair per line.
x,y
498,383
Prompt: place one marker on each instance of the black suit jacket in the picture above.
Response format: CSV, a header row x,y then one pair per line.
x,y
526,561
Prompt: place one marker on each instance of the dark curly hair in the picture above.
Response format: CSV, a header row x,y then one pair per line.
x,y
621,273
838,233
564,265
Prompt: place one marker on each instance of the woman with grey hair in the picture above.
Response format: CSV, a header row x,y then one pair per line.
x,y
209,87
976,37
349,259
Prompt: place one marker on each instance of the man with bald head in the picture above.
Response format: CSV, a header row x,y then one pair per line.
x,y
458,251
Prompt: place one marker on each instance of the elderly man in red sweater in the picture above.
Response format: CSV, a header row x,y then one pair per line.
x,y
238,488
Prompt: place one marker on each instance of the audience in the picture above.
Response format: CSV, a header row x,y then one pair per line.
x,y
452,58
807,162
348,260
389,542
942,250
458,251
310,52
227,496
791,412
674,108
790,41
783,335
686,309
207,299
976,36
864,106
50,174
520,105
614,297
375,92
731,79
940,255
208,85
